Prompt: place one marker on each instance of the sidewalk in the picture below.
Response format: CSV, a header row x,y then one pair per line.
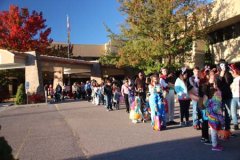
x,y
11,105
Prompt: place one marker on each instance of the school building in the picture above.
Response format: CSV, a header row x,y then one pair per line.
x,y
224,35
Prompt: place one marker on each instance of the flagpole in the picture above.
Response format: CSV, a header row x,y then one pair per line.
x,y
68,37
68,41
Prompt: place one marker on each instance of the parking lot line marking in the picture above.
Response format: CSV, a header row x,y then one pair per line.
x,y
57,107
23,143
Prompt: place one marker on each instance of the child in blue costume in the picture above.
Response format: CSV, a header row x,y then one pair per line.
x,y
136,109
155,101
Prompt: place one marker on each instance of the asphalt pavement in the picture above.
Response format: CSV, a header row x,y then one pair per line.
x,y
80,130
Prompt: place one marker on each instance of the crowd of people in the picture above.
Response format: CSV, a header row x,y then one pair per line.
x,y
213,92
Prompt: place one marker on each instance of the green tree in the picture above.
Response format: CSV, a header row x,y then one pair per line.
x,y
157,33
20,96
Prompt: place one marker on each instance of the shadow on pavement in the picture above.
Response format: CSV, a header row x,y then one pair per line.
x,y
5,150
183,149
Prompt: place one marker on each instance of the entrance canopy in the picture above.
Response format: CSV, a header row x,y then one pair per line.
x,y
13,60
34,64
69,66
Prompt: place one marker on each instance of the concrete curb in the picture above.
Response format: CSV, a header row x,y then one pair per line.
x,y
4,107
7,106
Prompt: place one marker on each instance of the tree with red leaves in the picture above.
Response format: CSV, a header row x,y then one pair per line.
x,y
22,31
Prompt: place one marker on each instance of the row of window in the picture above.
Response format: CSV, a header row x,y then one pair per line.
x,y
229,32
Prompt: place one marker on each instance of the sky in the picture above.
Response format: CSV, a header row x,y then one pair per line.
x,y
86,18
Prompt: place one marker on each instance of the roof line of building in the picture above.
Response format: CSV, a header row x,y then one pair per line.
x,y
65,60
65,43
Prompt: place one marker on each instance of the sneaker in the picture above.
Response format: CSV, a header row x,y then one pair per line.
x,y
233,135
203,140
163,127
174,123
168,123
195,127
182,124
236,127
217,148
207,142
187,123
134,121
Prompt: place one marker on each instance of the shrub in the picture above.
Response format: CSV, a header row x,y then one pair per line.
x,y
21,95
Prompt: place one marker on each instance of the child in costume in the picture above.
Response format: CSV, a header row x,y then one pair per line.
x,y
136,114
146,109
155,102
212,101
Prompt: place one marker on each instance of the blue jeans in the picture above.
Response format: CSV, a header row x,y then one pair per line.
x,y
106,102
109,101
235,104
226,104
195,112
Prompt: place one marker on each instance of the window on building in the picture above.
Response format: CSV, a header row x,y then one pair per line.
x,y
223,34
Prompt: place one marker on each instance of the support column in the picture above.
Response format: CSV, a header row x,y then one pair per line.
x,y
33,74
198,53
58,76
96,72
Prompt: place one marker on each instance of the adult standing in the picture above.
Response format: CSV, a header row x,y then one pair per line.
x,y
101,93
235,87
51,91
108,93
168,88
194,82
183,97
58,92
131,87
125,94
140,87
83,93
74,90
88,90
224,81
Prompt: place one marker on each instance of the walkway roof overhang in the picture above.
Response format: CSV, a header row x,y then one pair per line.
x,y
14,60
71,66
225,23
11,66
64,60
